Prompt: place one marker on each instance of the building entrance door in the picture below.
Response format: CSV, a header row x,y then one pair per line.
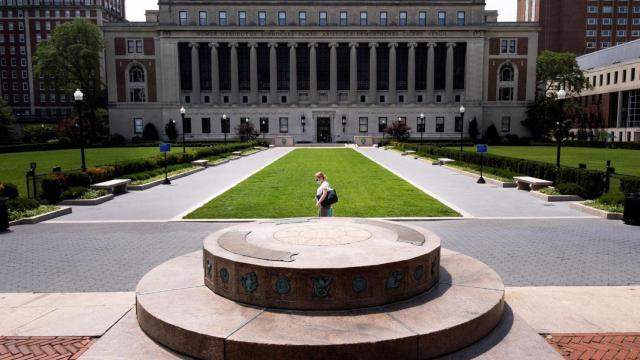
x,y
324,129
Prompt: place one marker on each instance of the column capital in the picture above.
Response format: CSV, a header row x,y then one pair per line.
x,y
233,45
312,45
333,44
451,44
373,44
353,44
253,44
432,45
292,44
194,45
214,45
273,44
392,45
412,45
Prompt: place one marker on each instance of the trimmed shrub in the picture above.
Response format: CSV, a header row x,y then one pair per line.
x,y
102,173
53,185
77,179
73,193
22,204
612,198
150,133
591,181
630,184
9,190
491,136
570,189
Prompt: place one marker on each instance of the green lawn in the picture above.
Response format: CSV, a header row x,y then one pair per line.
x,y
13,166
625,161
286,189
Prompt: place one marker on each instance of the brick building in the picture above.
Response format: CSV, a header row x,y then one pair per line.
x,y
582,26
319,72
23,25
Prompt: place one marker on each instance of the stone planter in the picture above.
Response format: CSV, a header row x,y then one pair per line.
x,y
555,198
595,212
88,202
43,217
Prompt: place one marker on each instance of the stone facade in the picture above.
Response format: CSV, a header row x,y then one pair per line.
x,y
320,71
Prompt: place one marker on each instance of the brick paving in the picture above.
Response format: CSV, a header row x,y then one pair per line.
x,y
43,348
618,346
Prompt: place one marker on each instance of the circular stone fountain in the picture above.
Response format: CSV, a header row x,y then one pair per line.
x,y
320,288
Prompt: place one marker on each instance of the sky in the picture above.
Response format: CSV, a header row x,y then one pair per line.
x,y
135,8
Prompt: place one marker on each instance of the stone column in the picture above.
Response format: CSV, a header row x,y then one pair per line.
x,y
333,73
411,77
431,58
313,73
293,73
353,73
195,73
373,73
215,74
449,73
235,84
273,73
619,106
392,73
253,68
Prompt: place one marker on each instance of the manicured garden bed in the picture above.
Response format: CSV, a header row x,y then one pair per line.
x,y
286,188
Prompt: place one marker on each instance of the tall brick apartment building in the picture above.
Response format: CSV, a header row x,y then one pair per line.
x,y
582,26
23,25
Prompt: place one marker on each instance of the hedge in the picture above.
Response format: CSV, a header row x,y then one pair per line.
x,y
590,180
6,149
603,144
630,185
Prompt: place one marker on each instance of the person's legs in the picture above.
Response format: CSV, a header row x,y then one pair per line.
x,y
330,212
323,212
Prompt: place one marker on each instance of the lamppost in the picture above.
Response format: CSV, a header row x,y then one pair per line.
x,y
79,96
462,111
303,121
384,128
421,127
562,95
225,126
183,112
263,128
344,124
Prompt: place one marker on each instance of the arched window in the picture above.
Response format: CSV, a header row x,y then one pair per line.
x,y
137,84
506,73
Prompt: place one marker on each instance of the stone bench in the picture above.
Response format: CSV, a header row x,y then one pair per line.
x,y
237,153
408,152
443,161
530,183
116,186
203,163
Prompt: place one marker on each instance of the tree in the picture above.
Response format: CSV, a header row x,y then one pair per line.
x,y
150,133
6,123
70,60
473,130
491,136
171,131
555,71
398,130
246,131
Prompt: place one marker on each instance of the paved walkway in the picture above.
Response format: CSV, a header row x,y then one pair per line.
x,y
166,202
463,194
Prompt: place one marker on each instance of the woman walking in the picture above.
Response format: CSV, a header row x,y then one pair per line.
x,y
322,195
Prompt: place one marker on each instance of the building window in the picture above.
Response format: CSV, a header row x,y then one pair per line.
x,y
402,20
506,82
206,125
262,18
508,46
138,125
322,18
506,94
364,18
383,18
282,18
137,84
264,125
461,18
203,19
442,18
284,125
506,124
184,19
422,18
242,18
302,18
344,18
187,126
506,73
222,18
440,124
364,124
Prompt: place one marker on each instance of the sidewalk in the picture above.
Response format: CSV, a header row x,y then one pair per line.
x,y
167,202
463,194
